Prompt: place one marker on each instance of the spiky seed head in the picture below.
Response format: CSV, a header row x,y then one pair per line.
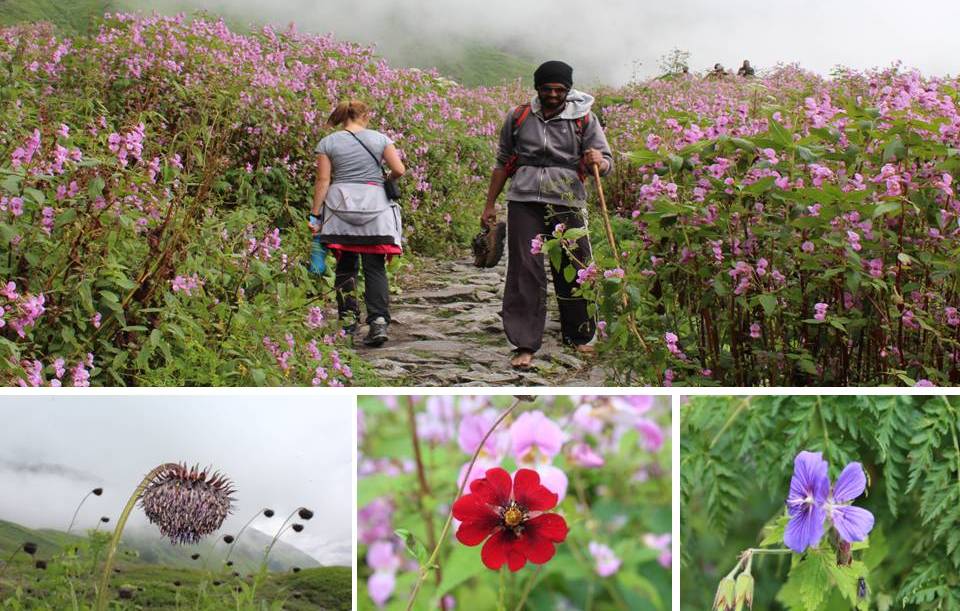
x,y
104,519
97,491
194,556
187,503
30,547
228,539
304,513
297,528
41,564
268,512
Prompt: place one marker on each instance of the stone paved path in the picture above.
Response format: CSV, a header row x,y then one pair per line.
x,y
446,331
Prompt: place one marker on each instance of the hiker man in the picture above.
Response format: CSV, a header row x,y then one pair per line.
x,y
718,72
547,147
746,70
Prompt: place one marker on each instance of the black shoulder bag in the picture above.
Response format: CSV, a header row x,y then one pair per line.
x,y
389,186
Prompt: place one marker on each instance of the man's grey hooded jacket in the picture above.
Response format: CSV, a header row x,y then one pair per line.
x,y
550,152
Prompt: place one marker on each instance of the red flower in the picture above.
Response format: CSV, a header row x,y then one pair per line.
x,y
512,512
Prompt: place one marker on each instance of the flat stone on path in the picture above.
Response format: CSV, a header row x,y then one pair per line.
x,y
447,331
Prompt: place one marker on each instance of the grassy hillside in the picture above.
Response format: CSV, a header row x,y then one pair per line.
x,y
161,576
71,15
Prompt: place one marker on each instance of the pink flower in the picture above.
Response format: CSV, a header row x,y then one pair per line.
x,y
315,318
587,274
536,438
820,311
807,247
380,586
584,456
607,561
755,330
652,435
471,431
662,544
536,245
613,273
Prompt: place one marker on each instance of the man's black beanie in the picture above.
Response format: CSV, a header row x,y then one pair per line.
x,y
553,72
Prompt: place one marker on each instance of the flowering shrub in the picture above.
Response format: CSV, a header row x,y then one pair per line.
x,y
788,230
820,503
153,180
568,500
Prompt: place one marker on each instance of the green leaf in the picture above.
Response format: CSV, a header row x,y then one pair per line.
x,y
569,273
769,303
807,584
894,150
11,184
414,546
36,195
886,207
780,134
95,188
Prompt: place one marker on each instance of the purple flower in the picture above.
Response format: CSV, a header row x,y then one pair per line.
x,y
584,456
808,492
820,311
852,523
380,586
811,502
536,245
536,438
587,274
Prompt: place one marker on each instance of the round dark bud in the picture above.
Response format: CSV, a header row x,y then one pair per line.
x,y
229,562
30,547
304,513
228,539
236,574
194,556
41,564
216,583
104,519
97,491
297,528
116,570
268,512
125,593
296,569
296,594
176,584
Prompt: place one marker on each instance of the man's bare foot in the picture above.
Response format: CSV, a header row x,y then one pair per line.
x,y
586,349
522,359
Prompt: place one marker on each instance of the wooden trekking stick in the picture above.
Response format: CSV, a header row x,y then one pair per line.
x,y
606,216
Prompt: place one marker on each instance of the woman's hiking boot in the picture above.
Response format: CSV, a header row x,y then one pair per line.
x,y
378,332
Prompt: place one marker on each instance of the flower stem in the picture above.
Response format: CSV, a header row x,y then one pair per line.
x,y
501,605
237,538
446,526
73,521
424,490
528,588
118,532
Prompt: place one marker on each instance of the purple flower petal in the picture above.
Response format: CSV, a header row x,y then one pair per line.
x,y
852,523
805,529
810,478
851,483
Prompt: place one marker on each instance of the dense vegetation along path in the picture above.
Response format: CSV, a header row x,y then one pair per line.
x,y
447,331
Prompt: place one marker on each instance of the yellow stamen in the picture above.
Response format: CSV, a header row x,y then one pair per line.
x,y
513,516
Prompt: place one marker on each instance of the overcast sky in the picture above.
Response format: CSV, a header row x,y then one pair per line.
x,y
603,40
281,453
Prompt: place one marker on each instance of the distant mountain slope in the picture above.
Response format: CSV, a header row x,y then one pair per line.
x,y
151,548
470,63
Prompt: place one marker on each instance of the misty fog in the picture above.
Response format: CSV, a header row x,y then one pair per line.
x,y
605,41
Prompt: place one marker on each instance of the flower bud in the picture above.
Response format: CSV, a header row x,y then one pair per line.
x,y
744,591
725,598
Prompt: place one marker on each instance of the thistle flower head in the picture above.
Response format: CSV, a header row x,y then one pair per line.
x,y
194,556
187,503
296,569
304,513
104,519
30,547
228,539
97,491
297,528
268,513
41,564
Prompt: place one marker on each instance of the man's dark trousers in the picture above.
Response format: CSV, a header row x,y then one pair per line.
x,y
525,293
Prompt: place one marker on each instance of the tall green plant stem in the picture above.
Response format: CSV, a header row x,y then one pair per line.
x,y
118,532
276,537
74,520
424,490
237,538
446,527
529,587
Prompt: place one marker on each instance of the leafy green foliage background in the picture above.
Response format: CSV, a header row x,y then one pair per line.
x,y
736,462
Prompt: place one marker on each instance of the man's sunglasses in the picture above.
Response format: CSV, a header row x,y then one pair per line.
x,y
557,90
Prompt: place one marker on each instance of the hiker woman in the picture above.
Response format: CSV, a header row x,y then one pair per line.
x,y
353,215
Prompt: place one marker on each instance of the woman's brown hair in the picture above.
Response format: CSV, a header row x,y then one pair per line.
x,y
347,110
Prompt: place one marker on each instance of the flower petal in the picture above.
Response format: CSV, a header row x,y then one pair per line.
x,y
537,548
494,551
530,493
473,533
549,526
805,529
515,559
851,483
852,523
494,488
471,508
809,477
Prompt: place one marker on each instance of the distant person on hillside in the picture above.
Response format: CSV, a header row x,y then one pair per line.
x,y
746,70
718,72
548,146
353,216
